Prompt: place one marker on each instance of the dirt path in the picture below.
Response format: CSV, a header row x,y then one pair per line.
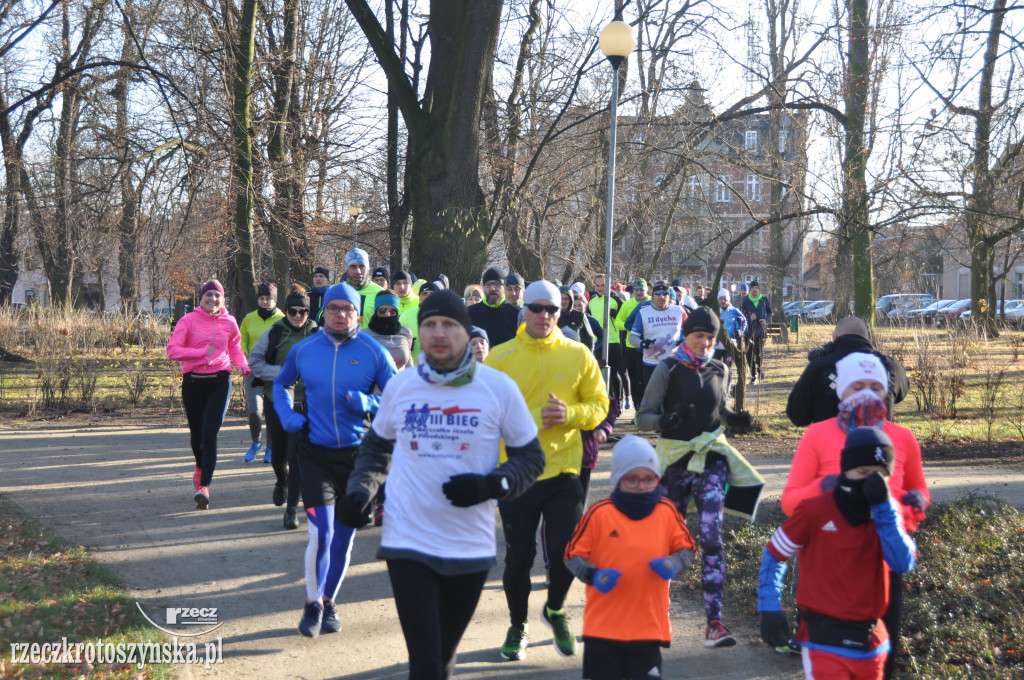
x,y
125,492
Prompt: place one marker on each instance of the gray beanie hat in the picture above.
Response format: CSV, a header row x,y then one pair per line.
x,y
630,453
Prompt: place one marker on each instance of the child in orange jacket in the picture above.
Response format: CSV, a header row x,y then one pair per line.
x,y
627,548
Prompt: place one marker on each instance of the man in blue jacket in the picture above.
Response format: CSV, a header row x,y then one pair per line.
x,y
339,368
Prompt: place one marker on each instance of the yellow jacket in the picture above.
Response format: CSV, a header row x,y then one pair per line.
x,y
567,369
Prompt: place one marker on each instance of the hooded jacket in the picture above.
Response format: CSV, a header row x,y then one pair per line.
x,y
557,365
253,326
814,399
196,331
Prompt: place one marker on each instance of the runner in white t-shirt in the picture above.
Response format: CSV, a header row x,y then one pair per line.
x,y
436,439
657,330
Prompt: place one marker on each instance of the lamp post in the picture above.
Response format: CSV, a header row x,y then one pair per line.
x,y
355,211
617,43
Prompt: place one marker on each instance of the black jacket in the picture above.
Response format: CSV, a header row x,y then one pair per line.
x,y
500,322
814,397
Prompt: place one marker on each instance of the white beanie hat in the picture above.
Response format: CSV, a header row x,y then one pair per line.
x,y
859,366
542,290
630,453
579,287
722,292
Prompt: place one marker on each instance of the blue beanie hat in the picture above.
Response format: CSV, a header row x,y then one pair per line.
x,y
385,299
477,332
342,291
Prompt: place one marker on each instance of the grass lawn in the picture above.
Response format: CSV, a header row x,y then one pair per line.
x,y
51,589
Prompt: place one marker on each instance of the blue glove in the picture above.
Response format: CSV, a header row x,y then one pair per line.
x,y
605,579
294,422
828,482
664,567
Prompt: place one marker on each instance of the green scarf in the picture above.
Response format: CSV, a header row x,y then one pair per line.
x,y
753,299
500,302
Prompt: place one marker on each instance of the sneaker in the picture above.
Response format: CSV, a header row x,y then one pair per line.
x,y
717,635
330,623
202,498
279,493
558,622
310,623
291,520
266,455
378,515
628,403
250,455
197,477
514,648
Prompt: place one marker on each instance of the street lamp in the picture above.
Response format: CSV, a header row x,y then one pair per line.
x,y
355,211
617,43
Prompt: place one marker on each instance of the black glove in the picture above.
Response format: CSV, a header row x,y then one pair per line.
x,y
876,490
257,382
351,509
644,344
740,420
774,629
677,415
470,489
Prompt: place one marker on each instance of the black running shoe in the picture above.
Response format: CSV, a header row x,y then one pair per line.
x,y
310,623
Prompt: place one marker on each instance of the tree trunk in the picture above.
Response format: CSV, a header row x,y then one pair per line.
x,y
855,198
128,224
10,259
281,227
245,266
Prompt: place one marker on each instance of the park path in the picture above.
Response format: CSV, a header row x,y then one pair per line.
x,y
124,491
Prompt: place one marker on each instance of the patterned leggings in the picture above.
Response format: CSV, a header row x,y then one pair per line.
x,y
708,492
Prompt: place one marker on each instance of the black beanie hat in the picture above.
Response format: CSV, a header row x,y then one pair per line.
x,y
401,276
297,298
701,320
492,274
381,271
677,283
431,286
445,303
514,279
323,270
867,446
268,289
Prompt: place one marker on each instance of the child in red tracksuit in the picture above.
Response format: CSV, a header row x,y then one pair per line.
x,y
627,548
848,540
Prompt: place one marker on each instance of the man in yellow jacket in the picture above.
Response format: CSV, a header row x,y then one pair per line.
x,y
561,382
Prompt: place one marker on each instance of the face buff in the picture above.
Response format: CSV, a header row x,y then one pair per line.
x,y
460,375
863,408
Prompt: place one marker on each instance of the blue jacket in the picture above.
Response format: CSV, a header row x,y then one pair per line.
x,y
735,322
338,380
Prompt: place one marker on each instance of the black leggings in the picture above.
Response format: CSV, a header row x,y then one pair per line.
x,y
560,501
634,360
284,451
755,351
893,621
205,397
434,611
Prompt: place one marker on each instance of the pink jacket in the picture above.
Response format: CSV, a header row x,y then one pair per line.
x,y
196,331
817,455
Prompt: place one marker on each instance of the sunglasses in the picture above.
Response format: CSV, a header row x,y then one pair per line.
x,y
537,308
661,292
297,311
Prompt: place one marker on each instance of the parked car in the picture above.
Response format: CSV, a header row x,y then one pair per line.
x,y
819,311
950,313
793,307
900,312
887,303
1011,306
927,314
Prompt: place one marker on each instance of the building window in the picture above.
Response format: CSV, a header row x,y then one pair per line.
x,y
694,188
723,191
753,188
750,140
783,137
30,296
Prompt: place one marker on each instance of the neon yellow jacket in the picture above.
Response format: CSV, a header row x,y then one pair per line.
x,y
567,369
596,309
252,327
620,321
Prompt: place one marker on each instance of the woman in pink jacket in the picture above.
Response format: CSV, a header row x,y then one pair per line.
x,y
206,341
862,383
